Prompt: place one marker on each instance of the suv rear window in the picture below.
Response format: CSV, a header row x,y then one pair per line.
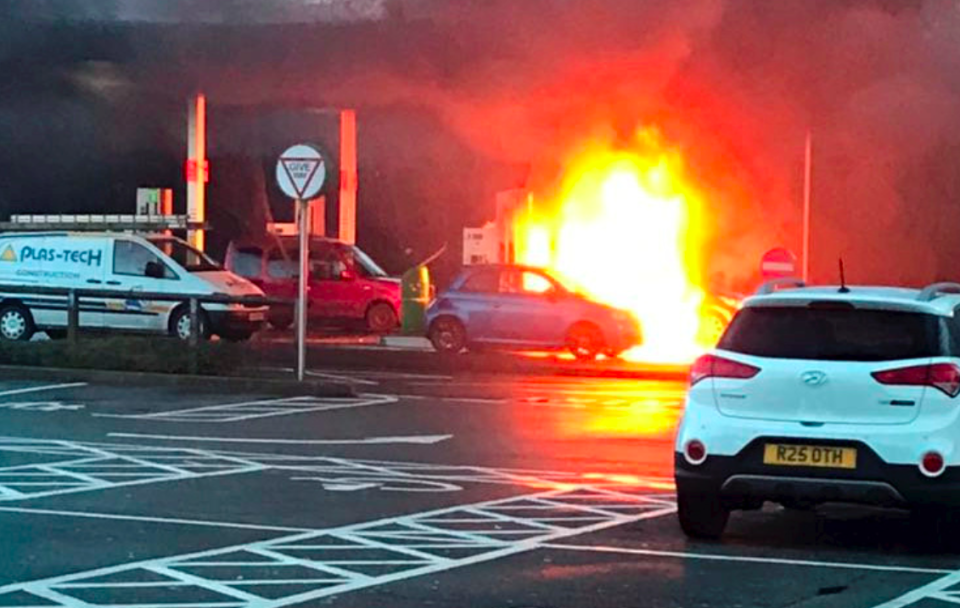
x,y
832,334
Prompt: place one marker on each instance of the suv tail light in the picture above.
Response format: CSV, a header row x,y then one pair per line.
x,y
712,366
942,376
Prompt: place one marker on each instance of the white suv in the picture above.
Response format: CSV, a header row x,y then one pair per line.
x,y
826,394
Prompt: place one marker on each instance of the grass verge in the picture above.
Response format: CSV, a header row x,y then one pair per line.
x,y
132,354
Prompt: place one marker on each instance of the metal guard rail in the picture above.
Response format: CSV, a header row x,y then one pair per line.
x,y
87,292
74,295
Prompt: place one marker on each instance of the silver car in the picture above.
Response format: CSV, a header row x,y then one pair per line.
x,y
523,307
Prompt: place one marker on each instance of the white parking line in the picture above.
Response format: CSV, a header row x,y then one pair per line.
x,y
406,439
37,389
388,375
144,518
340,378
746,559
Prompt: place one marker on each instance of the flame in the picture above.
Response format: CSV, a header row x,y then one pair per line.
x,y
626,231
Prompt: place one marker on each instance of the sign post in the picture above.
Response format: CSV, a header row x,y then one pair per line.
x,y
301,172
807,168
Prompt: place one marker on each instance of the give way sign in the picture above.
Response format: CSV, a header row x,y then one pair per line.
x,y
301,172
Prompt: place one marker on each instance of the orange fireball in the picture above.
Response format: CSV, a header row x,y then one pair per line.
x,y
626,229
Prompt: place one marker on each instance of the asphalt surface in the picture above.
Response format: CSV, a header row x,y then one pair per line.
x,y
365,352
425,490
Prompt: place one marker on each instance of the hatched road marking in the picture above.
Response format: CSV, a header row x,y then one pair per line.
x,y
943,591
89,467
66,467
295,565
265,408
305,566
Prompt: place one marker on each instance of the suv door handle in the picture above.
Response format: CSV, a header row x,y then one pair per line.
x,y
113,282
94,281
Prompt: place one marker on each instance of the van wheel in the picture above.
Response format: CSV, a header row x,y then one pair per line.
x,y
16,323
381,318
702,515
585,341
180,324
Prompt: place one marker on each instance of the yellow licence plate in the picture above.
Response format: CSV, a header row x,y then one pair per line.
x,y
810,456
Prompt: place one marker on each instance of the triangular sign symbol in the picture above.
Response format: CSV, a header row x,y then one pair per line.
x,y
301,172
8,255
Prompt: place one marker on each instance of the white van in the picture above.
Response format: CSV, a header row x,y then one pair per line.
x,y
126,263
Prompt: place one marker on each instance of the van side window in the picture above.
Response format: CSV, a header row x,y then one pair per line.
x,y
132,259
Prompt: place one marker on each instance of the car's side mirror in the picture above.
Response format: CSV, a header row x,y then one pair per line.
x,y
154,270
347,275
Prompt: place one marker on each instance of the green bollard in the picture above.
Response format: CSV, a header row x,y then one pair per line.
x,y
415,297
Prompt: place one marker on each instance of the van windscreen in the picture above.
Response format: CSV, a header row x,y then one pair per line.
x,y
832,334
193,260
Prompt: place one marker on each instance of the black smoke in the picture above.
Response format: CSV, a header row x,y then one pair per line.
x,y
458,99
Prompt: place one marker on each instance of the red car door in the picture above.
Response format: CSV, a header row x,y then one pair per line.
x,y
335,291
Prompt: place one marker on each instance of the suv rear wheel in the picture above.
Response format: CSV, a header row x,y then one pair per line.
x,y
702,514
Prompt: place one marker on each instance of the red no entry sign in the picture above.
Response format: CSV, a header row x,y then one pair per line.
x,y
778,263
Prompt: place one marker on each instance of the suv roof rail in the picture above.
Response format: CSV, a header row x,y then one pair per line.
x,y
934,291
771,286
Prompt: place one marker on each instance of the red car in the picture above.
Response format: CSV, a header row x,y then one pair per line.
x,y
346,286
